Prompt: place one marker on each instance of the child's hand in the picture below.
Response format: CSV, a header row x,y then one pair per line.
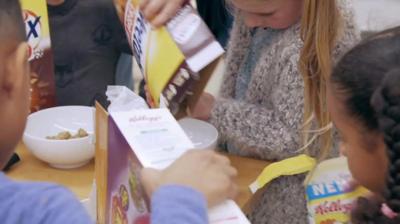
x,y
205,171
158,12
202,110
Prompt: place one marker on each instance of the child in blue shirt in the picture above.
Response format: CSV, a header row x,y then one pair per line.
x,y
24,202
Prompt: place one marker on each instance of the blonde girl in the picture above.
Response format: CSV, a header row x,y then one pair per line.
x,y
272,104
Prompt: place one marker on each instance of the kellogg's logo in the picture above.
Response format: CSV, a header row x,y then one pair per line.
x,y
145,118
33,28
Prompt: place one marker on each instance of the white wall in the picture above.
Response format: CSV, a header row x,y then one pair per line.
x,y
376,15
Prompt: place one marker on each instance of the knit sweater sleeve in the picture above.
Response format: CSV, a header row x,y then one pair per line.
x,y
267,132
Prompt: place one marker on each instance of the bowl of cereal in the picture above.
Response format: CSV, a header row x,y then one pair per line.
x,y
63,137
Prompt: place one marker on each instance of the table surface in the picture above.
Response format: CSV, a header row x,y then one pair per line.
x,y
80,180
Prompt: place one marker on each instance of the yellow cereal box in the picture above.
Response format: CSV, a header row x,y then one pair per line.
x,y
40,55
329,195
173,59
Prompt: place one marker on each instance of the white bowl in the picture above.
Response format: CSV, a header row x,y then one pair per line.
x,y
64,154
202,134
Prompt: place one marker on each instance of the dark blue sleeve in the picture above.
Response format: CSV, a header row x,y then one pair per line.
x,y
178,205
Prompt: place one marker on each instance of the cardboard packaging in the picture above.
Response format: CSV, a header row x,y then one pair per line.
x,y
176,60
127,142
36,20
330,194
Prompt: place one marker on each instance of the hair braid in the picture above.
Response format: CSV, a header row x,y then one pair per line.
x,y
386,103
367,81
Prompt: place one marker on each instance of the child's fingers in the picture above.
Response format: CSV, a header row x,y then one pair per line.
x,y
230,171
229,187
225,170
351,185
221,159
143,4
149,178
153,8
233,191
166,14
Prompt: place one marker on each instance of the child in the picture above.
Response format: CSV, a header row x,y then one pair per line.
x,y
41,203
272,103
87,40
364,100
24,202
273,94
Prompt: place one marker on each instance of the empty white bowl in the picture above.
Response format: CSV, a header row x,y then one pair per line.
x,y
63,154
202,134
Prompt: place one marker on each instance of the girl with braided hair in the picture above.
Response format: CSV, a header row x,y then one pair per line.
x,y
364,101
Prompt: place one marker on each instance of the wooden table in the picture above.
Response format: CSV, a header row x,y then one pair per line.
x,y
248,171
80,180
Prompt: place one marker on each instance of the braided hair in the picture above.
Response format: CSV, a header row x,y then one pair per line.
x,y
386,102
369,78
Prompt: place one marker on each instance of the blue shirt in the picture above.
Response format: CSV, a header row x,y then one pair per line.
x,y
178,205
42,203
34,203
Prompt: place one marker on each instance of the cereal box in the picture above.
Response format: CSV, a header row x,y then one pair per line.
x,y
176,60
40,55
137,139
330,197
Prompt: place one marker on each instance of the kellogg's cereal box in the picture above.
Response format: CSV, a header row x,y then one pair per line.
x,y
176,60
131,140
40,55
330,196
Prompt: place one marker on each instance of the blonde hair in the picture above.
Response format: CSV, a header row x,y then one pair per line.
x,y
319,31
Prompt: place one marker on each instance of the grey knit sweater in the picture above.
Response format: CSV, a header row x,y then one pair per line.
x,y
265,124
